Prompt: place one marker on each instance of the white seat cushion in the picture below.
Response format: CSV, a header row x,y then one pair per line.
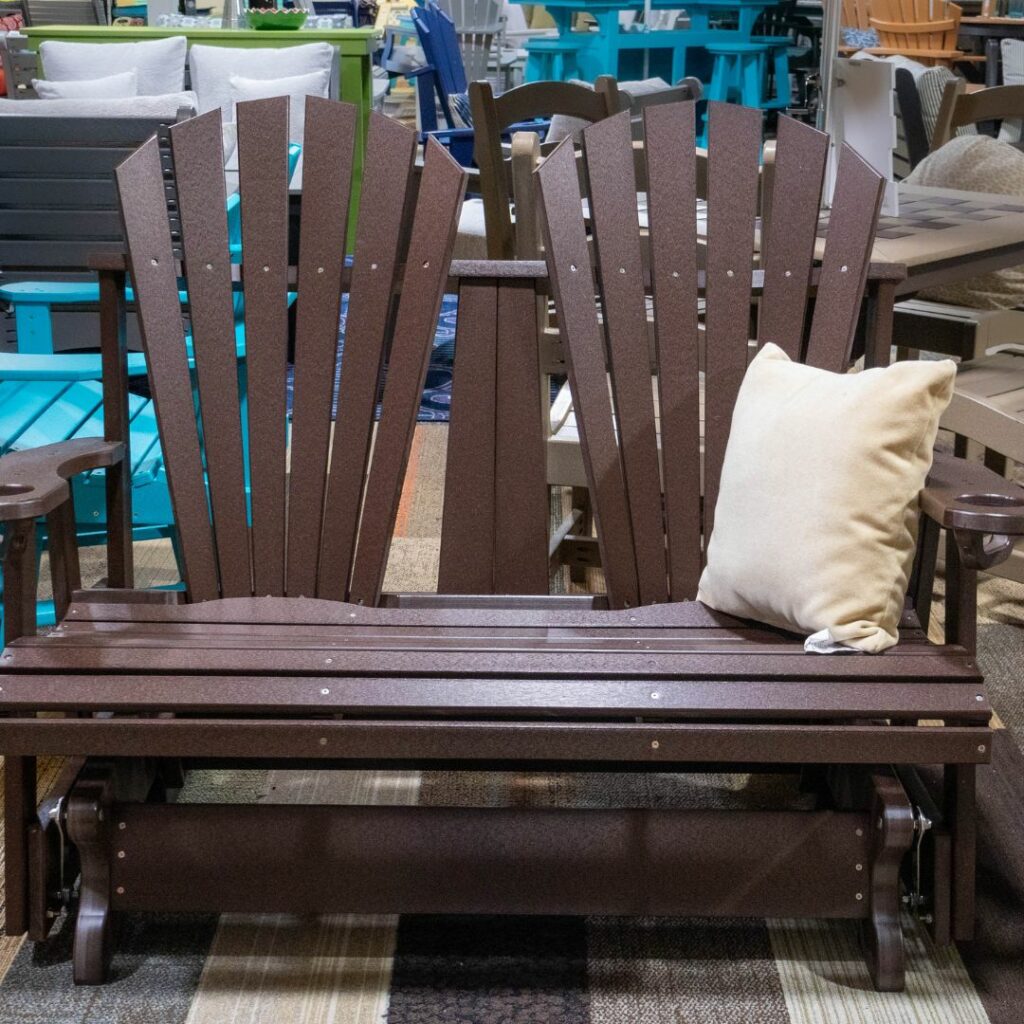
x,y
159,64
166,106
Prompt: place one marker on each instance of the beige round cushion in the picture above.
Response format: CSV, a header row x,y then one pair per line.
x,y
977,163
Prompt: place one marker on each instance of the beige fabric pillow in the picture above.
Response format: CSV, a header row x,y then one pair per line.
x,y
977,163
816,521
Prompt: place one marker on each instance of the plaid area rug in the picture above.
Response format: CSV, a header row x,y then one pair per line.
x,y
437,391
344,969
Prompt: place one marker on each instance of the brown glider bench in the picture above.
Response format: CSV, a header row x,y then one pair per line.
x,y
285,651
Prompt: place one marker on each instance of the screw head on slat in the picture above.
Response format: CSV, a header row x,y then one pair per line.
x,y
981,748
655,744
859,896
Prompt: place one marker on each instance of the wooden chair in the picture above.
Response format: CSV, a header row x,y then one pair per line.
x,y
960,107
493,115
284,648
913,30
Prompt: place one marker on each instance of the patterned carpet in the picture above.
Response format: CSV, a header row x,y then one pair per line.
x,y
345,969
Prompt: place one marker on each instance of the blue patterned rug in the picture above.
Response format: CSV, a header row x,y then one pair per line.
x,y
437,392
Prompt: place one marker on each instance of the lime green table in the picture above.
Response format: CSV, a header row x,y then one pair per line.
x,y
355,47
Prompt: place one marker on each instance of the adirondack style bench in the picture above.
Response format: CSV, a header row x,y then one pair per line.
x,y
285,650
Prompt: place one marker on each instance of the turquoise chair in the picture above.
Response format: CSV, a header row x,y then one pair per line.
x,y
47,396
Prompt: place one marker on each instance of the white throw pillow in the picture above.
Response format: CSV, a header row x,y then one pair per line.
x,y
816,521
296,88
159,64
212,67
165,107
110,88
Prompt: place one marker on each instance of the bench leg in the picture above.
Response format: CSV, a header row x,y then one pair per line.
x,y
959,783
89,828
893,825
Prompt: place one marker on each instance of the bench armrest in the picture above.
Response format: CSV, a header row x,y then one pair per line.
x,y
984,510
34,482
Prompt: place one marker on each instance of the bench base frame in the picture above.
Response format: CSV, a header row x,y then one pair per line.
x,y
460,860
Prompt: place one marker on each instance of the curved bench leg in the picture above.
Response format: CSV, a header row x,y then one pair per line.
x,y
893,828
88,827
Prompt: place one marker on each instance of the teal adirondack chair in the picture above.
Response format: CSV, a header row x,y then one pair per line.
x,y
47,396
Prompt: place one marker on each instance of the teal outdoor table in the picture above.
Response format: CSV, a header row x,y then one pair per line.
x,y
599,51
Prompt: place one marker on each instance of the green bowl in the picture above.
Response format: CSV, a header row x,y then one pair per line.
x,y
268,19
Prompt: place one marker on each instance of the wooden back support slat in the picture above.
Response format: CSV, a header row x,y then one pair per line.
x,y
734,146
844,269
572,281
670,132
521,507
263,184
430,247
390,150
201,203
328,151
140,182
787,252
608,148
467,525
495,523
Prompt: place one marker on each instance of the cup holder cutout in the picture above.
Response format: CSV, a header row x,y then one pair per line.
x,y
9,490
991,500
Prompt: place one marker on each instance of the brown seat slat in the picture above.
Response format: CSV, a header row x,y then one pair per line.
x,y
199,168
572,280
788,246
430,248
466,564
390,151
497,611
734,145
608,148
140,182
525,697
521,503
844,270
637,661
327,156
672,199
514,742
263,184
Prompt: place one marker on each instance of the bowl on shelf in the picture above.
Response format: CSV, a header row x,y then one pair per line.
x,y
267,18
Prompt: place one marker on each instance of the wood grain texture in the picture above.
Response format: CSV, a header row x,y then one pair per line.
x,y
670,133
426,271
467,527
734,150
608,149
390,149
140,183
263,184
844,268
328,153
198,158
787,251
573,286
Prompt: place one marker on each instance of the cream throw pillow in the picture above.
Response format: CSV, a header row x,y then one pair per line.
x,y
816,521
